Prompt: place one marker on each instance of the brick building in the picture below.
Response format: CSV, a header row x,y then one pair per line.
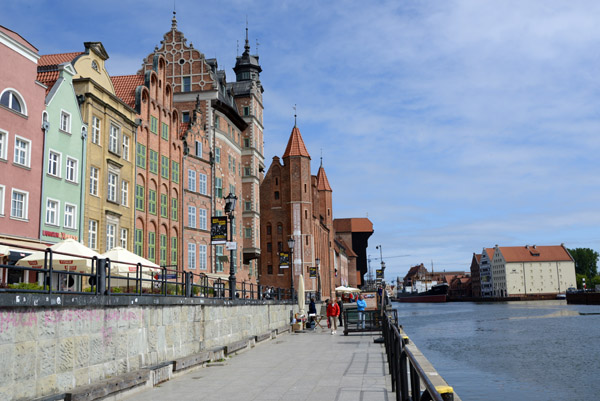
x,y
228,130
296,204
476,275
158,159
355,232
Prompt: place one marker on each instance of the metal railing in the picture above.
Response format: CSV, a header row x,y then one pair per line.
x,y
409,381
99,277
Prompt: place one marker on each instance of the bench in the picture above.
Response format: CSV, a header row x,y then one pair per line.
x,y
107,387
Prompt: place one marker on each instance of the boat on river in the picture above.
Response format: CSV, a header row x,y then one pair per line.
x,y
437,293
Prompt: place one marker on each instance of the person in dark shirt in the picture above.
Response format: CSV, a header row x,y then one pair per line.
x,y
341,305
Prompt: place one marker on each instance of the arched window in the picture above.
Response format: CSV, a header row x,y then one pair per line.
x,y
14,101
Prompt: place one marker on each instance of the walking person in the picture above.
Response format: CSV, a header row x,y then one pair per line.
x,y
333,311
312,312
361,304
338,300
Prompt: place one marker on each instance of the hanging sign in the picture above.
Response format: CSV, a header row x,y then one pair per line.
x,y
379,273
218,229
312,272
284,260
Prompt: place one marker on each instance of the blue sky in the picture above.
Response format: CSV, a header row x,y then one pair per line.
x,y
453,125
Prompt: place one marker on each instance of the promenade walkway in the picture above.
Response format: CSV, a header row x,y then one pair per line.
x,y
313,366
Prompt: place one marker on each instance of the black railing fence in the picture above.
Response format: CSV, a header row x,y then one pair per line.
x,y
98,276
409,381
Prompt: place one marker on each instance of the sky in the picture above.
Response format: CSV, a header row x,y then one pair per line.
x,y
452,125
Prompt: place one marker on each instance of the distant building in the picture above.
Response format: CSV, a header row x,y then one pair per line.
x,y
460,286
485,272
344,264
415,276
355,232
531,270
476,275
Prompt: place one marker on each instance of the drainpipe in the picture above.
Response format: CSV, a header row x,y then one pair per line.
x,y
45,129
82,182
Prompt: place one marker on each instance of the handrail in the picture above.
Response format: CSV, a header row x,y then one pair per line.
x,y
406,370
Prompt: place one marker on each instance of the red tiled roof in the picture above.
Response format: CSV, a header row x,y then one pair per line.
x,y
478,257
56,59
322,181
295,146
534,253
490,252
125,87
48,78
353,225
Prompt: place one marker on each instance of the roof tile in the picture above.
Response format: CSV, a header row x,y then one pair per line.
x,y
322,181
534,253
125,87
295,146
56,59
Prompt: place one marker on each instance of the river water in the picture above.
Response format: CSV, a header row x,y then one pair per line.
x,y
538,350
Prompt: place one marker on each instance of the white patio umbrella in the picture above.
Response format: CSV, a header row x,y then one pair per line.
x,y
79,258
123,262
301,295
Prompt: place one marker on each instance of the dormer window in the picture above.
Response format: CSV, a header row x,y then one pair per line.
x,y
95,66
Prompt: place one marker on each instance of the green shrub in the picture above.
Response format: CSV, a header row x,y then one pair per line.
x,y
26,286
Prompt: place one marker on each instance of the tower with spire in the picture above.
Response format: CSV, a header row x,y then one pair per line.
x,y
297,204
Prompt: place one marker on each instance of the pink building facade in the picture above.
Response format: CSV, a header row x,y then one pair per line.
x,y
21,136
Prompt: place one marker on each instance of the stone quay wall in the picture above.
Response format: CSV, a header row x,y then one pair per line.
x,y
51,344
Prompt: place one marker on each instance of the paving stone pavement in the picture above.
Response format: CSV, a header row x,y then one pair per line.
x,y
313,366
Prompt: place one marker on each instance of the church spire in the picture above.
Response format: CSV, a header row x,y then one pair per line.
x,y
174,21
247,45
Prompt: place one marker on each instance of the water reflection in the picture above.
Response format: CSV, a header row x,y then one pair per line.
x,y
510,351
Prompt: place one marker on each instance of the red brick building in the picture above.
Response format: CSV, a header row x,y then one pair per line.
x,y
158,164
296,204
223,152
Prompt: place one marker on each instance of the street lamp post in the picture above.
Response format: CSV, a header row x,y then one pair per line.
x,y
291,243
382,262
318,262
229,209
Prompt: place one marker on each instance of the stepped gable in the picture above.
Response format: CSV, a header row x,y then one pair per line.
x,y
295,146
322,181
125,86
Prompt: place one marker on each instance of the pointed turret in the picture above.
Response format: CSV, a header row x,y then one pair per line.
x,y
295,146
322,181
247,67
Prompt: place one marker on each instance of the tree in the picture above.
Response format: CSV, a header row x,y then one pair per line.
x,y
586,261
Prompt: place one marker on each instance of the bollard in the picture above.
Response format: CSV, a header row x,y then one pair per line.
x,y
101,276
188,284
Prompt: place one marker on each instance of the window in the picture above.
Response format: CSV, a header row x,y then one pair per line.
x,y
163,249
112,187
71,170
125,147
246,142
151,245
153,125
111,230
217,122
3,144
202,183
279,228
70,216
269,269
173,250
248,206
124,193
229,162
52,212
269,229
218,187
202,219
1,200
123,239
276,194
152,201
138,243
65,121
246,110
92,234
280,246
175,172
187,86
19,204
22,150
217,155
218,253
94,173
140,155
192,216
192,180
248,232
247,171
202,257
95,130
164,205
153,161
232,189
139,197
164,131
198,148
174,212
192,256
113,139
164,167
11,100
185,116
54,163
269,247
